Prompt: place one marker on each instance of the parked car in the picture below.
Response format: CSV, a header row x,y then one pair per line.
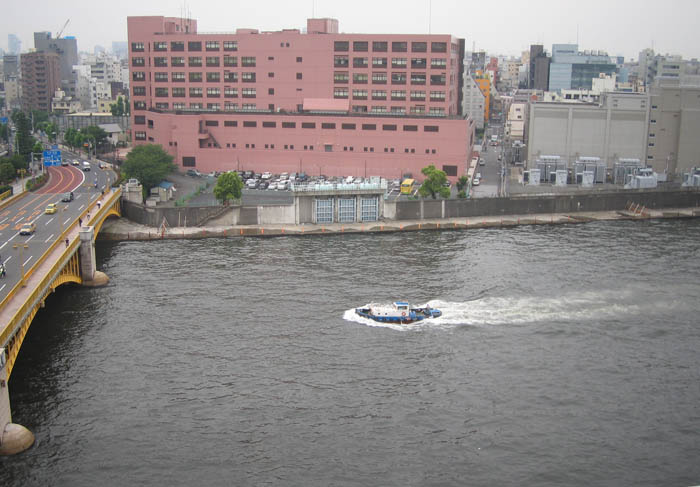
x,y
67,197
284,176
263,185
252,184
266,175
283,185
51,208
302,176
476,182
86,166
273,185
28,228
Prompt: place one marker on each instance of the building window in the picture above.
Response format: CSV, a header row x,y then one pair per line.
x,y
160,46
438,63
140,135
213,77
379,78
431,128
398,78
348,126
410,128
341,77
308,125
194,46
161,92
389,127
139,91
195,77
213,92
177,61
139,119
230,106
139,105
419,63
269,125
230,45
369,126
341,46
327,125
328,147
398,95
250,123
340,61
359,62
196,106
248,61
359,94
289,125
437,96
230,61
417,95
340,93
299,76
195,61
211,123
379,109
299,59
379,62
248,77
178,93
137,47
139,76
212,45
162,106
398,62
249,92
178,77
230,77
212,61
196,92
230,123
380,46
360,46
160,62
270,91
378,95
437,79
138,61
419,46
177,46
438,47
399,46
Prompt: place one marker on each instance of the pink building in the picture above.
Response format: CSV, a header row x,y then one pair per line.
x,y
318,102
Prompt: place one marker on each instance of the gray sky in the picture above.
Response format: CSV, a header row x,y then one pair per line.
x,y
500,27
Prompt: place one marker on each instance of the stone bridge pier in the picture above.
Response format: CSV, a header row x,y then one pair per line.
x,y
90,275
14,438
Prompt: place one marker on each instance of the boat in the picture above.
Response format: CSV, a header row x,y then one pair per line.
x,y
399,312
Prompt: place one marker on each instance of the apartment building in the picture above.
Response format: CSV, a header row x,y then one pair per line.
x,y
319,102
40,80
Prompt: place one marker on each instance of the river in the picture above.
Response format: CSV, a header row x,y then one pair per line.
x,y
566,355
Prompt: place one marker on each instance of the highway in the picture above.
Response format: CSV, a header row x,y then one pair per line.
x,y
17,251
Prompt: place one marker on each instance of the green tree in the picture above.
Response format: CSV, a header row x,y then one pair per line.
x,y
433,183
228,187
37,150
149,164
118,109
97,135
73,138
17,161
7,172
4,132
39,117
462,183
25,141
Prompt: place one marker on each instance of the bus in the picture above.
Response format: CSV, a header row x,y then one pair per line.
x,y
407,186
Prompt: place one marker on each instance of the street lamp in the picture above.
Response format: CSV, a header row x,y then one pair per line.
x,y
21,261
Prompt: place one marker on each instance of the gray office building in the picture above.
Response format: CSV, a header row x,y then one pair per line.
x,y
67,50
14,45
572,69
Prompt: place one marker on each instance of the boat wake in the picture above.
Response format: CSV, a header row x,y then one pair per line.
x,y
489,311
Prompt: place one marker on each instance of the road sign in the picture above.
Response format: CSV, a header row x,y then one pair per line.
x,y
3,120
52,157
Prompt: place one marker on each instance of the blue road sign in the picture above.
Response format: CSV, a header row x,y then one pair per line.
x,y
3,120
52,158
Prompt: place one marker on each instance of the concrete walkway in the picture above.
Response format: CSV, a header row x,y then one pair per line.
x,y
123,229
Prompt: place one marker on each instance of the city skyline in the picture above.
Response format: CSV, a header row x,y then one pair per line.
x,y
506,29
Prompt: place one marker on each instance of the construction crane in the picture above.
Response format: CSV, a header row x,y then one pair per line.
x,y
58,36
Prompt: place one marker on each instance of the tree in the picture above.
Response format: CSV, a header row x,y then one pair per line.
x,y
73,138
228,187
4,132
17,161
96,134
7,172
118,109
149,164
433,183
462,183
37,149
25,141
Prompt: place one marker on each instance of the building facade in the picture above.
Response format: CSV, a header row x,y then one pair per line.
x,y
339,103
573,69
673,144
474,101
40,80
66,48
612,130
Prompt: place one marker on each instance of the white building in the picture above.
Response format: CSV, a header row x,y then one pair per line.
x,y
517,121
473,101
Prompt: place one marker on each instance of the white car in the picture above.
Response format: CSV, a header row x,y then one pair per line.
x,y
476,182
266,175
272,185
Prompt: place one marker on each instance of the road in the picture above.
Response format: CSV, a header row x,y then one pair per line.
x,y
20,252
490,180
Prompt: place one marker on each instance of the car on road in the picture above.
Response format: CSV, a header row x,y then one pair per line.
x,y
102,165
76,162
28,228
67,197
64,162
482,162
476,182
86,166
51,208
500,157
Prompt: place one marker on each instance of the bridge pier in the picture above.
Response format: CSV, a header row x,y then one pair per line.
x,y
14,438
91,276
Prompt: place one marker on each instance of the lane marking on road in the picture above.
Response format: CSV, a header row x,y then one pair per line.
x,y
19,220
67,220
3,287
50,220
81,207
3,220
12,237
7,260
30,258
1,246
48,239
29,238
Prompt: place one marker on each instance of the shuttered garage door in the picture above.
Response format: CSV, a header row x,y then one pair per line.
x,y
346,210
324,211
370,209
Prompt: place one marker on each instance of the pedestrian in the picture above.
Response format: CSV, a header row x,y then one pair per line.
x,y
66,242
80,222
98,205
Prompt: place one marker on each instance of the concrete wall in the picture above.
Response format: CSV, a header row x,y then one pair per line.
x,y
411,210
181,216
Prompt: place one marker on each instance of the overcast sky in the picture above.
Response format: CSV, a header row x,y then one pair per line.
x,y
620,27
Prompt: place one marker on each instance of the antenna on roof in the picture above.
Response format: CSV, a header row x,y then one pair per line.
x,y
313,9
430,16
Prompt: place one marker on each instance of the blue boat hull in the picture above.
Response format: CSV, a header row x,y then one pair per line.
x,y
416,314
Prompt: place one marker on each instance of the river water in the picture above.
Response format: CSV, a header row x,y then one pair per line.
x,y
566,355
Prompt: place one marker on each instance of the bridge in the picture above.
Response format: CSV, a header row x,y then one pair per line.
x,y
66,256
